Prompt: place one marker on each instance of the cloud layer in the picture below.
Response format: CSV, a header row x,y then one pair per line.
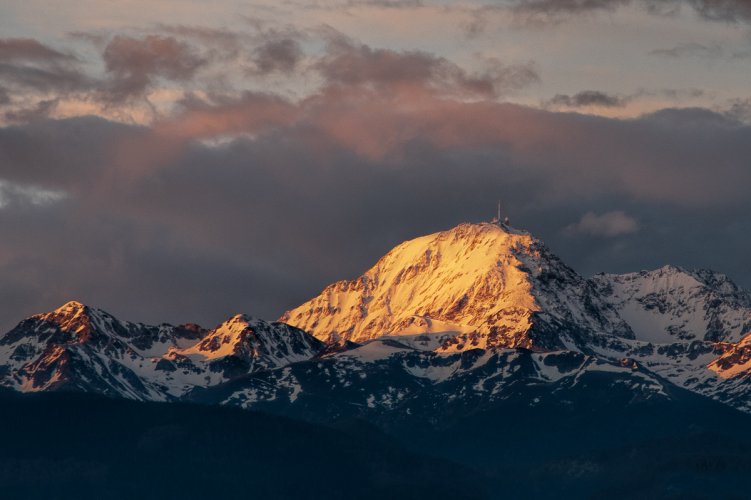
x,y
230,197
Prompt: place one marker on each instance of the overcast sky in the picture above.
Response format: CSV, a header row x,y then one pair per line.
x,y
181,160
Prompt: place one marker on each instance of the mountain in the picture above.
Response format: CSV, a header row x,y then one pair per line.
x,y
671,304
474,286
84,349
238,346
691,327
81,348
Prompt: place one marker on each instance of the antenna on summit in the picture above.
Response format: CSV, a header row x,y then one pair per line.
x,y
497,219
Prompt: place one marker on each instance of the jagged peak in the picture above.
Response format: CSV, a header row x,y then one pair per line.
x,y
72,307
234,326
75,310
239,320
246,336
76,317
671,269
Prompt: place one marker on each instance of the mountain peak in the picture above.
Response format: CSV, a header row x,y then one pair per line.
x,y
239,318
71,307
74,317
494,226
255,342
669,269
475,285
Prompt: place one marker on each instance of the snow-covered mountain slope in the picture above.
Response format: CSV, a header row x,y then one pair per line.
x,y
77,347
691,327
386,381
81,348
474,286
671,304
236,347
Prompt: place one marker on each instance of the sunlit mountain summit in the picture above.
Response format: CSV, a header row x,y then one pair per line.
x,y
474,286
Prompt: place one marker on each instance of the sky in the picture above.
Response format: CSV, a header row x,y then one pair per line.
x,y
183,161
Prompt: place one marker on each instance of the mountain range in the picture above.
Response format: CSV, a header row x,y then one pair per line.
x,y
475,329
465,304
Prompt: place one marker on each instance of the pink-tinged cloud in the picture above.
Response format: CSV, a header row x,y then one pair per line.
x,y
578,153
28,49
351,64
250,114
134,63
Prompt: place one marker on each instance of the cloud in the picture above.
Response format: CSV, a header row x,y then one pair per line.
x,y
53,78
42,109
250,113
594,99
351,64
588,98
391,4
675,94
738,11
277,55
723,10
14,194
606,225
566,6
28,64
304,193
27,49
691,49
134,63
225,43
739,109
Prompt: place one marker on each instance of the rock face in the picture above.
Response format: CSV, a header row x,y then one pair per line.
x,y
442,326
474,286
